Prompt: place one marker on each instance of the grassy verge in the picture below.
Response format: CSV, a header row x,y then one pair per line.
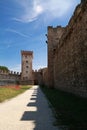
x,y
71,111
11,91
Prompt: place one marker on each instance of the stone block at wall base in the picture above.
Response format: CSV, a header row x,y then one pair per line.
x,y
27,82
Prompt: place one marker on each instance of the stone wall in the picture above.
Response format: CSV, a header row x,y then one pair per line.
x,y
41,77
7,78
37,76
68,62
54,34
45,77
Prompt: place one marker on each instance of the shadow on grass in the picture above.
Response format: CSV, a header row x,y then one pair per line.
x,y
70,110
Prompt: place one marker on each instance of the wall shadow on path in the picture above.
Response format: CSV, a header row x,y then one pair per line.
x,y
40,116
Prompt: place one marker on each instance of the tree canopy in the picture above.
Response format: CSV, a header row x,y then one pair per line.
x,y
4,68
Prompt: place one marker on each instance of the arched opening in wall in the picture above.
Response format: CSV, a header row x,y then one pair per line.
x,y
35,82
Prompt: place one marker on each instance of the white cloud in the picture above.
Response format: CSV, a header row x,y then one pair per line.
x,y
17,32
31,10
39,9
54,8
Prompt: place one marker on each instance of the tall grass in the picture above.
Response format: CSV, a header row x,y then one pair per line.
x,y
11,91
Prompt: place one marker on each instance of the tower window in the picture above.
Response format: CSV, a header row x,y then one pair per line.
x,y
27,66
25,56
26,61
26,77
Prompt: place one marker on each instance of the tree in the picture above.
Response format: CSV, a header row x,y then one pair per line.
x,y
4,68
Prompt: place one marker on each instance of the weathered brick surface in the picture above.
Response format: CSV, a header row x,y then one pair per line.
x,y
41,77
54,34
45,76
26,61
9,78
67,54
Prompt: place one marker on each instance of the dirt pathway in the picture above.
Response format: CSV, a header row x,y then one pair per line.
x,y
28,111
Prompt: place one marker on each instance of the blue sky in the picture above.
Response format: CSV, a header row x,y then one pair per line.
x,y
23,25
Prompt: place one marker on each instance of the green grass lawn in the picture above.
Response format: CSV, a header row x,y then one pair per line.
x,y
71,111
11,91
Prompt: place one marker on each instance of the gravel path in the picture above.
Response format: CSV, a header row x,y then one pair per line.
x,y
28,111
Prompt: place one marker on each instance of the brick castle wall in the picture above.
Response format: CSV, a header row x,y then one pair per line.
x,y
9,78
54,35
67,54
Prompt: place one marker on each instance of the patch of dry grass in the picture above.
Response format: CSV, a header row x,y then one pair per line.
x,y
7,92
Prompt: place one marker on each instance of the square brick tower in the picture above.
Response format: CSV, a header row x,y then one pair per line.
x,y
53,37
26,67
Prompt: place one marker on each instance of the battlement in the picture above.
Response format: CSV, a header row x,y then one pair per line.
x,y
14,73
82,1
52,29
27,53
2,72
